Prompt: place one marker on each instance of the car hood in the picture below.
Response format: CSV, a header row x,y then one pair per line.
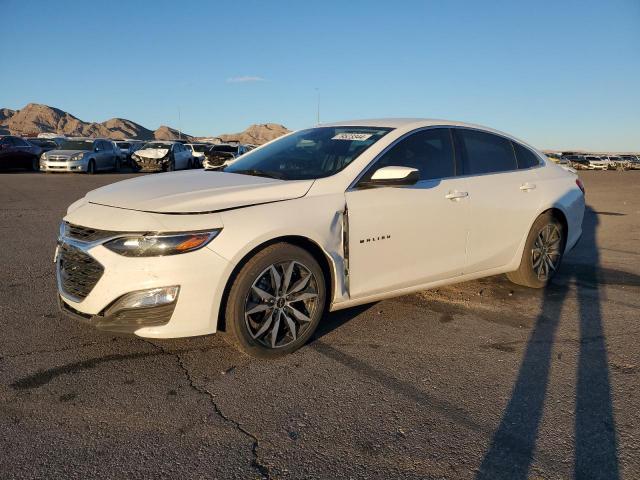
x,y
66,152
196,191
152,152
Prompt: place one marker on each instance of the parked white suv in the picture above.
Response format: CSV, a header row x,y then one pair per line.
x,y
321,219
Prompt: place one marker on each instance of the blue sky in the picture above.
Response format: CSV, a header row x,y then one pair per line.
x,y
558,74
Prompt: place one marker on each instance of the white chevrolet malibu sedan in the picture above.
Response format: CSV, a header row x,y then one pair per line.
x,y
318,220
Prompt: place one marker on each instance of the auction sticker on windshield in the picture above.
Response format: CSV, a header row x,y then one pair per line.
x,y
352,136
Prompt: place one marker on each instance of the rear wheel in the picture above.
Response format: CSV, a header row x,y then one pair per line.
x,y
542,254
35,164
275,302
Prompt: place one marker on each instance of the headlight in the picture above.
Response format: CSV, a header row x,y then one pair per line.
x,y
76,157
160,244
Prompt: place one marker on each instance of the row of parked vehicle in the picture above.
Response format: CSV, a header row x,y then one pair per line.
x,y
597,162
92,155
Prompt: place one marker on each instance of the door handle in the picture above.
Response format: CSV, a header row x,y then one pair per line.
x,y
527,186
456,195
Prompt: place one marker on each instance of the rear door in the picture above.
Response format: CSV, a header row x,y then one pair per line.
x,y
406,236
503,198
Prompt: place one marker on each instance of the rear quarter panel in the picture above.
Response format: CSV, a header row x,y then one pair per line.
x,y
559,190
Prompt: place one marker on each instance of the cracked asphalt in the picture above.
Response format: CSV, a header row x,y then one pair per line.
x,y
482,380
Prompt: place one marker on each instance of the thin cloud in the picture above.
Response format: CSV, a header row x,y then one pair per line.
x,y
245,79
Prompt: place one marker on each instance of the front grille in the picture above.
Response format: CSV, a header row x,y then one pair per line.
x,y
78,272
86,234
217,159
58,158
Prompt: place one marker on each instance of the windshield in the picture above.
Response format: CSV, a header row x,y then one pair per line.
x,y
309,154
77,145
43,143
200,148
164,146
224,148
124,145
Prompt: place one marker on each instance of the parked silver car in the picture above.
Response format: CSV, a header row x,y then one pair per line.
x,y
88,155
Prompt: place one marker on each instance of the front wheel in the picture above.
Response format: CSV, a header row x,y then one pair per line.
x,y
542,254
35,164
91,168
275,302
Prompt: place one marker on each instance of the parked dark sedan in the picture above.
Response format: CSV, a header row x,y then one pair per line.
x,y
16,152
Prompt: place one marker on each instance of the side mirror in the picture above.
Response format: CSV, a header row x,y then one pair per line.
x,y
394,176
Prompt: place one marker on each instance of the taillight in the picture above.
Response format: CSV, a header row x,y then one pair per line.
x,y
580,185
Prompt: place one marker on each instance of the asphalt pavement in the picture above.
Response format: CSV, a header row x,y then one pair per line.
x,y
482,380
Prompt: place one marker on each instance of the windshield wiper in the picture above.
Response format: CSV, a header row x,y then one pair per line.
x,y
259,173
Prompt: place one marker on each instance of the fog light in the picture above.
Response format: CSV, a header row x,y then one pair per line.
x,y
153,297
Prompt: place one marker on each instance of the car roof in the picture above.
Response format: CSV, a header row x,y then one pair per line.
x,y
400,122
409,124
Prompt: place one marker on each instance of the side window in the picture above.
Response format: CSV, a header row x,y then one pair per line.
x,y
526,158
430,151
483,152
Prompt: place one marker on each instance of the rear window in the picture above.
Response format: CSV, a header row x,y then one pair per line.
x,y
525,157
483,152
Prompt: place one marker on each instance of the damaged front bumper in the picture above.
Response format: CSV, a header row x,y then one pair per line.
x,y
150,164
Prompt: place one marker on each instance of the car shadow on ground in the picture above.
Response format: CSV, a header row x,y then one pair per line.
x,y
513,445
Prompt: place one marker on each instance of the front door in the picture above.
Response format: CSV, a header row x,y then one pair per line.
x,y
406,236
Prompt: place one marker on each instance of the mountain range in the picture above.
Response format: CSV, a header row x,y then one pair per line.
x,y
36,118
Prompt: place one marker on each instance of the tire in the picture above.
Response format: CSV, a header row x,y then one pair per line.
x,y
253,333
91,168
171,166
547,235
35,164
